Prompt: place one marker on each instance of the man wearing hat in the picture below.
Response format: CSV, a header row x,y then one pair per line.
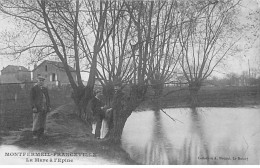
x,y
40,103
98,113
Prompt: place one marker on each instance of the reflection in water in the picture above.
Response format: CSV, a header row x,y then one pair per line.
x,y
204,136
156,148
195,144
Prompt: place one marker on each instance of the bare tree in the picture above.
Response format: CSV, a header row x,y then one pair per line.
x,y
152,43
136,44
252,26
115,64
164,55
47,19
62,24
205,40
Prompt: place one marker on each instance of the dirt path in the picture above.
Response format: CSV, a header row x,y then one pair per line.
x,y
66,134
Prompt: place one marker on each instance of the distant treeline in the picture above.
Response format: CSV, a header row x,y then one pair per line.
x,y
234,80
209,96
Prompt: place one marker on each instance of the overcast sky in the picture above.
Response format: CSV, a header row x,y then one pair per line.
x,y
236,64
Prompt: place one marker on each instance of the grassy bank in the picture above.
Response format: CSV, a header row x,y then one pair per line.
x,y
66,133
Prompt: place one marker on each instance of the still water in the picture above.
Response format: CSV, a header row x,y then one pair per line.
x,y
198,136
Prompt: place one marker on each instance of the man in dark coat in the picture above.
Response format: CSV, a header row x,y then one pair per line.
x,y
98,113
40,103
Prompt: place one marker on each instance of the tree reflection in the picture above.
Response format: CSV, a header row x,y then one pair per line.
x,y
195,147
222,135
158,149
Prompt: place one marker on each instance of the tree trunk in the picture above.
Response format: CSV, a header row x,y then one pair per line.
x,y
119,121
123,106
82,97
158,89
194,89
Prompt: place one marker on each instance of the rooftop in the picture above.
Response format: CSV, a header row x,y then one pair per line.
x,y
55,63
14,68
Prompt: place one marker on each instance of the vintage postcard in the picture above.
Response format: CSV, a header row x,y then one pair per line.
x,y
131,82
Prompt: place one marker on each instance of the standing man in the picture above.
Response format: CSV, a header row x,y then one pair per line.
x,y
40,103
98,113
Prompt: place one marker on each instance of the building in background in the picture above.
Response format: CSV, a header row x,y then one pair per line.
x,y
15,74
12,80
54,73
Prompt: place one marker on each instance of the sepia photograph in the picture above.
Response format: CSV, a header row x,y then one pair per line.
x,y
130,82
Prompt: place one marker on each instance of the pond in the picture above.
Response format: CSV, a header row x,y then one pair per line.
x,y
198,136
